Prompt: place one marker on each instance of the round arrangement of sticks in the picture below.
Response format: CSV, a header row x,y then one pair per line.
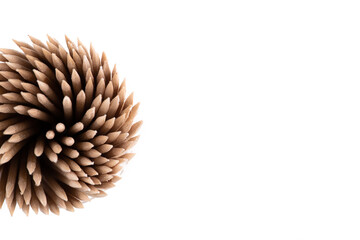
x,y
66,126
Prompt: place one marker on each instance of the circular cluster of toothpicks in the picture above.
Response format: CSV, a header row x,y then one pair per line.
x,y
66,126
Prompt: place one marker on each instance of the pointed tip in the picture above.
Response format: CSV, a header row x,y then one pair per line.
x,y
123,84
40,83
64,196
22,187
9,130
31,168
79,42
67,100
82,93
12,210
9,190
60,127
32,38
103,57
137,105
37,180
37,152
4,159
50,134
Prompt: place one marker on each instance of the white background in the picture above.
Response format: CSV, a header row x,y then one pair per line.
x,y
251,118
